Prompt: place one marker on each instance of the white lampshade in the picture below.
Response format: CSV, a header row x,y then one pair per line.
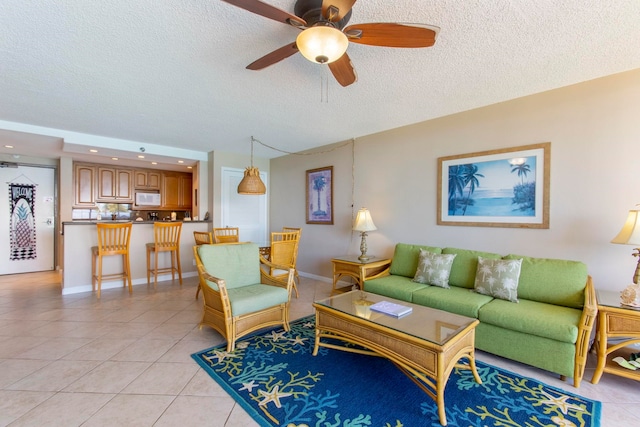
x,y
363,221
630,233
322,44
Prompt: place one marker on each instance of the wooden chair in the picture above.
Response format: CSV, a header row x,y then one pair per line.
x,y
113,239
239,296
284,251
203,237
226,235
166,238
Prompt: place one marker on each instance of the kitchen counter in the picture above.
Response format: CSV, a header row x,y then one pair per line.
x,y
79,236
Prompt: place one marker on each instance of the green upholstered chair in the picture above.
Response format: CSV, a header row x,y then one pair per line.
x,y
239,296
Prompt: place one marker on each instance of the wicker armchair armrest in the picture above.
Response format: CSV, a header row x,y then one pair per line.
x,y
281,280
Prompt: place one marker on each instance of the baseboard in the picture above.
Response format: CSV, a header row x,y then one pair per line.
x,y
118,283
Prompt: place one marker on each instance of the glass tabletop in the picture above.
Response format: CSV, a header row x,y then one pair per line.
x,y
612,299
426,323
354,259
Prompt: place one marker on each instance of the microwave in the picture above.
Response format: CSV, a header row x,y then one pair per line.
x,y
148,199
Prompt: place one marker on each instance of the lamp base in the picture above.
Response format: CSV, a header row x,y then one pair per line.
x,y
364,257
363,247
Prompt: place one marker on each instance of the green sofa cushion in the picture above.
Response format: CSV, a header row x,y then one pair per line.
x,y
454,300
398,287
405,259
534,318
554,281
238,265
463,271
247,299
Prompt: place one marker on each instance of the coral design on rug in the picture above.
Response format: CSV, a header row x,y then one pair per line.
x,y
275,377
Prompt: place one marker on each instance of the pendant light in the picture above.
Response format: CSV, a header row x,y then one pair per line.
x,y
251,184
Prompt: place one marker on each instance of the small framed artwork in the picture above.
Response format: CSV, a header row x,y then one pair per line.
x,y
499,188
320,195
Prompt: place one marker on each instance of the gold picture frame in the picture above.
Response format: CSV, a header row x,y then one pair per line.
x,y
498,188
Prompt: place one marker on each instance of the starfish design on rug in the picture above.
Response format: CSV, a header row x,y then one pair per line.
x,y
219,356
309,325
249,386
277,336
273,396
298,341
560,402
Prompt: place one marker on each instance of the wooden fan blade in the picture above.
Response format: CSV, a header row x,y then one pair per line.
x,y
392,35
273,57
343,70
268,11
339,10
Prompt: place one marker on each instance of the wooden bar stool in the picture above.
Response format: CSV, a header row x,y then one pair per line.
x,y
166,238
113,239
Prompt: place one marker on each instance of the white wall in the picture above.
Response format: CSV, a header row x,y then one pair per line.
x,y
594,130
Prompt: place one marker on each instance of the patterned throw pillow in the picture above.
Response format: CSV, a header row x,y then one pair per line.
x,y
434,269
498,278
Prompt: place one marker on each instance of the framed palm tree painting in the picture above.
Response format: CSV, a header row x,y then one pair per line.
x,y
498,188
320,195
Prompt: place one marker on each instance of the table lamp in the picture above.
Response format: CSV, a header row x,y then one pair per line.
x,y
363,224
630,235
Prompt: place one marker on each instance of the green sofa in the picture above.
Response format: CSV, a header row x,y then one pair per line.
x,y
549,327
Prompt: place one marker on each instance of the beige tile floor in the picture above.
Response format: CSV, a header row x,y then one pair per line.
x,y
125,360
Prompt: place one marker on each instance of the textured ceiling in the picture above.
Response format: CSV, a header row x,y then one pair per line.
x,y
172,73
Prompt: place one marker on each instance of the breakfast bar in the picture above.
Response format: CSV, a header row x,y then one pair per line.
x,y
80,236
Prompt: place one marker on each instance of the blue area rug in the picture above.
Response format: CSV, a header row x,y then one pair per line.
x,y
277,380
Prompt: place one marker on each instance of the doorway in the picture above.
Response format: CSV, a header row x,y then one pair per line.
x,y
248,213
27,219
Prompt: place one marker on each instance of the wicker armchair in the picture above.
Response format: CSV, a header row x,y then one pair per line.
x,y
239,296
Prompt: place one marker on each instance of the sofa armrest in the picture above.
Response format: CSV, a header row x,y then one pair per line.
x,y
374,270
587,320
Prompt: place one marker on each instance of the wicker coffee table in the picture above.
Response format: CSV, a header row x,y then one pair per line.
x,y
425,345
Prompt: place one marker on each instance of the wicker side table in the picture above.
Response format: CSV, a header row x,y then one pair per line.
x,y
360,271
616,321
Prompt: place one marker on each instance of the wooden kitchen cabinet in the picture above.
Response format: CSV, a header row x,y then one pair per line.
x,y
84,185
147,180
176,190
114,185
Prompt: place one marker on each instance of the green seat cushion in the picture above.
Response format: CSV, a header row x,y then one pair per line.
x,y
533,318
238,265
405,259
398,287
554,281
247,299
463,271
455,300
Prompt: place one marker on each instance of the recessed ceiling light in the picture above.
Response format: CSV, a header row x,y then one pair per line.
x,y
93,150
114,158
189,167
8,146
154,163
180,161
140,156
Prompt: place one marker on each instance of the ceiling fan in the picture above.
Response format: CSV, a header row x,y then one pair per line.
x,y
324,38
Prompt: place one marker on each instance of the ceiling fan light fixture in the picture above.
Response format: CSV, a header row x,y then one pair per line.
x,y
322,43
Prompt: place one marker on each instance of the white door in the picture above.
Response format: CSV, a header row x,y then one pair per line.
x,y
249,213
27,219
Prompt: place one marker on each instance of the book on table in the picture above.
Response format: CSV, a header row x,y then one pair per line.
x,y
391,308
